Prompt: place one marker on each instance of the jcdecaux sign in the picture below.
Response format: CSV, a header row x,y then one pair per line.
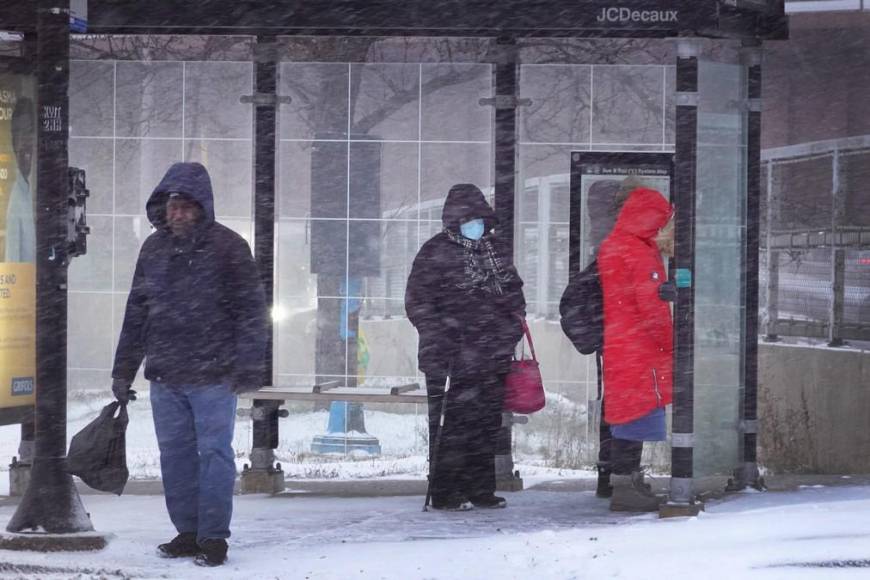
x,y
622,15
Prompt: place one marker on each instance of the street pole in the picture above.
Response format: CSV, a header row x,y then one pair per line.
x,y
681,500
506,103
746,474
264,475
51,515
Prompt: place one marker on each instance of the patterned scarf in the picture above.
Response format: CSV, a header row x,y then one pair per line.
x,y
483,268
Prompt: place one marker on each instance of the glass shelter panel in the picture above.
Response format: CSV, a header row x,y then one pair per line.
x,y
377,132
719,275
584,96
137,105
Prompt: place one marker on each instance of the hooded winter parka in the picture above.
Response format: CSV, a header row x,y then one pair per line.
x,y
196,311
638,339
459,324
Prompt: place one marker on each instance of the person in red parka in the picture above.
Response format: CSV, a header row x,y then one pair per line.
x,y
638,341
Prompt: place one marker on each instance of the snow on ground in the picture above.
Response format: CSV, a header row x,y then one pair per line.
x,y
813,533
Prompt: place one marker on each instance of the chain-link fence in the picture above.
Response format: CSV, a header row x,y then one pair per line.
x,y
815,254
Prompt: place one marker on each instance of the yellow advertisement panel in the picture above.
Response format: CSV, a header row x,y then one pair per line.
x,y
8,165
17,241
17,335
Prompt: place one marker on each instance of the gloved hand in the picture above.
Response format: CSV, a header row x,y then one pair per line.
x,y
668,291
122,390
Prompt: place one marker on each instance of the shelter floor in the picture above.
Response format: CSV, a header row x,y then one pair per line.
x,y
552,530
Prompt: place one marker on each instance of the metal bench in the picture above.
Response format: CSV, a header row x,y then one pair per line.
x,y
410,393
264,475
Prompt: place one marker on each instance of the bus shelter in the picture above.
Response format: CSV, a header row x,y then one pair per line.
x,y
333,131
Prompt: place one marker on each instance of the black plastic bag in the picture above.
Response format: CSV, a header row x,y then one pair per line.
x,y
98,453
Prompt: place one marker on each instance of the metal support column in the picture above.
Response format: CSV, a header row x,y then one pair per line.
x,y
506,101
681,501
838,271
746,474
772,289
264,475
51,511
838,255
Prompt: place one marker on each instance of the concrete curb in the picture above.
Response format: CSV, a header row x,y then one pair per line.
x,y
40,542
405,487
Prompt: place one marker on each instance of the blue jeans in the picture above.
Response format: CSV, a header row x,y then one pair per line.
x,y
194,426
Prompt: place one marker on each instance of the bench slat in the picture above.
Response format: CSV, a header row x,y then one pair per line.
x,y
350,394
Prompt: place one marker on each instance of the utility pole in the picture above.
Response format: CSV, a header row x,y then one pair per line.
x,y
51,516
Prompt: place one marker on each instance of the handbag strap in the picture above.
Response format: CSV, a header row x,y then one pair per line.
x,y
528,336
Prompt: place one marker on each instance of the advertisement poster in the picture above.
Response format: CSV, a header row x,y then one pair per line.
x,y
17,242
598,180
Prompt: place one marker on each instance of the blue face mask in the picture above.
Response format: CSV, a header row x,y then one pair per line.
x,y
473,230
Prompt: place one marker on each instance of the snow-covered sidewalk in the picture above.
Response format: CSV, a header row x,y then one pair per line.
x,y
818,532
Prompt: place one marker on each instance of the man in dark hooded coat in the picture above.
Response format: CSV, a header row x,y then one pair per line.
x,y
196,314
467,305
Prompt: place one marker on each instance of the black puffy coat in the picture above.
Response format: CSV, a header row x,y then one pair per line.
x,y
462,328
196,311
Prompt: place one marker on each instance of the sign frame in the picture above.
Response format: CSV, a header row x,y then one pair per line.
x,y
590,166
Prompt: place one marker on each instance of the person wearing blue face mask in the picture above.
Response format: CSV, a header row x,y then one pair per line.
x,y
466,303
472,229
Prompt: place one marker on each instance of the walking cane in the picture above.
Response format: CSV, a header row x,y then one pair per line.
x,y
433,460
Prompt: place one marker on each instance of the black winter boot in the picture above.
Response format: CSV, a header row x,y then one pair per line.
x,y
214,553
453,503
489,502
181,546
632,494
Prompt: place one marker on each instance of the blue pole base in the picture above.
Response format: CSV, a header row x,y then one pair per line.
x,y
346,432
345,444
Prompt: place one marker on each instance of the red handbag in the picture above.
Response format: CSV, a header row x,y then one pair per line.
x,y
524,387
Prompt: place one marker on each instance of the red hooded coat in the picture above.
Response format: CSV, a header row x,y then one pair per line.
x,y
638,332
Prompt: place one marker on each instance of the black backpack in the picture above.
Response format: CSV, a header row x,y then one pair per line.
x,y
582,311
